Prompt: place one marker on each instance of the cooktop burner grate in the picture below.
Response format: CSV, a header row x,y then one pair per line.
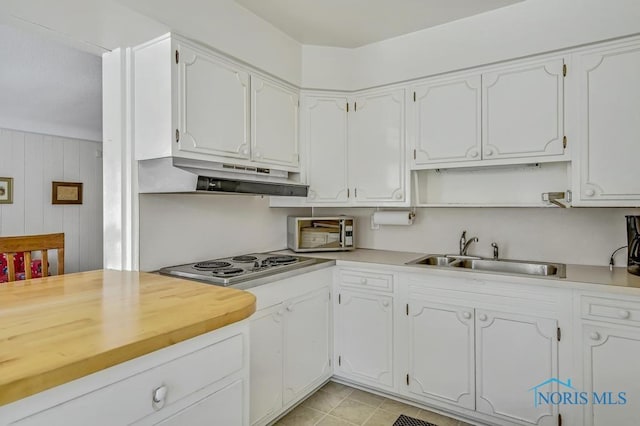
x,y
212,264
280,260
245,258
227,272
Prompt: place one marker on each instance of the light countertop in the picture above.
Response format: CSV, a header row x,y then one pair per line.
x,y
57,329
587,277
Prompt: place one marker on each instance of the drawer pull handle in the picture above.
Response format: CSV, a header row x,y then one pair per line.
x,y
363,280
385,303
624,314
594,335
589,192
159,396
482,317
466,315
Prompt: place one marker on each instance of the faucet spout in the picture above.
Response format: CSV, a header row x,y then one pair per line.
x,y
467,244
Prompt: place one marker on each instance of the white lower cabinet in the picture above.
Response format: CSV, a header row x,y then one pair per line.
x,y
266,363
364,337
291,343
611,356
514,353
201,381
440,345
307,333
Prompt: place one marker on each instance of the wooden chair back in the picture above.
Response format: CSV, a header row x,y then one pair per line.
x,y
27,244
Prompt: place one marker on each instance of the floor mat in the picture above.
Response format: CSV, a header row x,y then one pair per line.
x,y
410,421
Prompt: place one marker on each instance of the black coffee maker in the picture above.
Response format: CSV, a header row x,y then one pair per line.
x,y
633,238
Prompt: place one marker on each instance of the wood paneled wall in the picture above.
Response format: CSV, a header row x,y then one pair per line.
x,y
34,161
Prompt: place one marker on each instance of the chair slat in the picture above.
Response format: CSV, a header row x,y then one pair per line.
x,y
11,266
27,265
45,263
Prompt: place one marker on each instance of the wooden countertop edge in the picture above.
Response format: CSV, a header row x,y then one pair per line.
x,y
22,388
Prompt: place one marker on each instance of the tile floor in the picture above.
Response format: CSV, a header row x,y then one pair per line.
x,y
339,405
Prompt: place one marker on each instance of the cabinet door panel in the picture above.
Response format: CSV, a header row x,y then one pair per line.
x,y
609,124
221,408
447,119
364,331
523,111
307,338
610,359
324,124
213,106
441,352
266,363
377,148
514,353
274,119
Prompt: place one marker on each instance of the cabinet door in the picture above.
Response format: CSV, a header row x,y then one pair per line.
x,y
266,363
324,132
274,123
514,354
610,366
213,106
441,353
377,154
225,407
446,121
364,337
609,125
307,337
523,111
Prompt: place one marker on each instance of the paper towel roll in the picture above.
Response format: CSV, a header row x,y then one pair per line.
x,y
404,217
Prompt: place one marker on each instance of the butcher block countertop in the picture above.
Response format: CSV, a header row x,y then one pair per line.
x,y
57,329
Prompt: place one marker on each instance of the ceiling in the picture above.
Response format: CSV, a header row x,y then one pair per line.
x,y
49,87
353,23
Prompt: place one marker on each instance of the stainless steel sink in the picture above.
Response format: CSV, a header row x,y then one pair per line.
x,y
504,266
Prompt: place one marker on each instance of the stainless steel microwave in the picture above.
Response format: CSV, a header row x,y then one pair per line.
x,y
330,233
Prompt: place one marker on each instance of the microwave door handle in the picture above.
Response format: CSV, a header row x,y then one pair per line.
x,y
341,234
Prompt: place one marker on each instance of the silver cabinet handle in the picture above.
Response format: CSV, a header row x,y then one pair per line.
x,y
482,317
159,396
624,314
245,151
385,303
258,154
466,315
363,280
290,308
589,192
473,153
594,335
398,196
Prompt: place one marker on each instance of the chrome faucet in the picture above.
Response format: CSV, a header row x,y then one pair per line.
x,y
495,250
464,244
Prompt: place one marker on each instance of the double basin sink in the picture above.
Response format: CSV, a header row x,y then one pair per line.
x,y
503,266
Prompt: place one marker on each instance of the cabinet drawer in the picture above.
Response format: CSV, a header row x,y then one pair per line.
x,y
362,279
614,310
130,399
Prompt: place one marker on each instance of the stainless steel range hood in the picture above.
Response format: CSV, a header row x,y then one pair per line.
x,y
175,175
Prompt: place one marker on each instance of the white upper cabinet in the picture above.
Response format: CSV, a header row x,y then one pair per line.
x,y
213,105
445,120
324,141
274,123
606,168
377,154
193,103
523,110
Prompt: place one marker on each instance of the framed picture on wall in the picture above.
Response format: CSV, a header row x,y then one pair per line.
x,y
6,190
66,193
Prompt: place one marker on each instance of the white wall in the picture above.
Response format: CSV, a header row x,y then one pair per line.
x,y
522,29
34,161
183,228
576,236
101,25
49,88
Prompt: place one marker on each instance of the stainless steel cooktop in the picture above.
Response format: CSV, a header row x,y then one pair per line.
x,y
232,270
